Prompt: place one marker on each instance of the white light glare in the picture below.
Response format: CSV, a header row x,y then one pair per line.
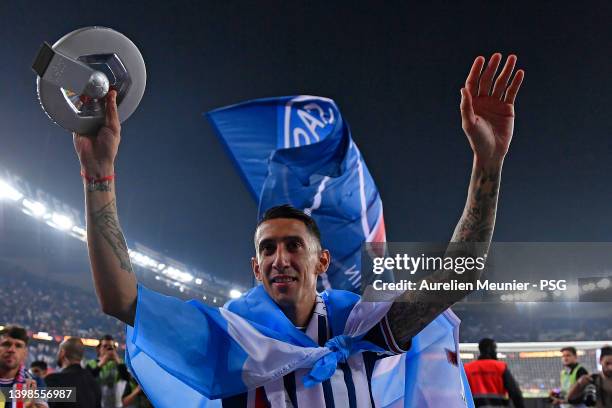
x,y
178,274
143,260
604,283
235,294
37,209
61,221
78,230
588,287
8,191
198,281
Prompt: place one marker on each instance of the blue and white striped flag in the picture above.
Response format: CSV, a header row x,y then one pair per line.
x,y
188,354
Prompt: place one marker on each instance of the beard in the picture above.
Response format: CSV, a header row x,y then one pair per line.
x,y
6,366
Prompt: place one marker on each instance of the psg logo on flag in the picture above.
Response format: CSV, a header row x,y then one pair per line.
x,y
307,120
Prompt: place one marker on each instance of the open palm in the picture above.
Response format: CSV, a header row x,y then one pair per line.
x,y
487,113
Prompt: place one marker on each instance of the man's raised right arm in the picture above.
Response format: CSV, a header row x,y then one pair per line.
x,y
113,275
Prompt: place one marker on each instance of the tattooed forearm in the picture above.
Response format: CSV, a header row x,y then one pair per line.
x,y
107,223
478,219
99,186
408,317
416,309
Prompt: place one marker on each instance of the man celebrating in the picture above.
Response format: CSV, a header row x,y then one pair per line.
x,y
13,373
272,337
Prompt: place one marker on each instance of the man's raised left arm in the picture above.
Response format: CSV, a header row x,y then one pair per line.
x,y
487,116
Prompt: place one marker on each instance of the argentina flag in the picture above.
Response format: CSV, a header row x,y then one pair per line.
x,y
298,150
188,354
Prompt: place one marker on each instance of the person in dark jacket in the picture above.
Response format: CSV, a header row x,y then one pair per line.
x,y
87,391
490,380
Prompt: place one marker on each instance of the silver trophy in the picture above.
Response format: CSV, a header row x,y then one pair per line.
x,y
76,73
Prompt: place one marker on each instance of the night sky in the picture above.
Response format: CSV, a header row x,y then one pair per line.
x,y
395,71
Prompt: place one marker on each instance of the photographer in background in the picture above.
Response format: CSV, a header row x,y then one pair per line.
x,y
106,370
595,390
571,371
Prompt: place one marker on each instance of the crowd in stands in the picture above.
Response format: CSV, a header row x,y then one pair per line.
x,y
512,327
55,308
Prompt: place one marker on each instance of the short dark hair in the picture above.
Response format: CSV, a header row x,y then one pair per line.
x,y
104,337
605,351
73,348
570,349
40,364
288,211
487,347
15,332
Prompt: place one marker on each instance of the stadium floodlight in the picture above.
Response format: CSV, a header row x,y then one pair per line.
x,y
34,207
603,283
235,294
143,260
42,336
588,287
79,233
61,221
8,191
78,230
178,275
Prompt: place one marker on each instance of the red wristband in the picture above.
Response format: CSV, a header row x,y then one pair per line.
x,y
97,180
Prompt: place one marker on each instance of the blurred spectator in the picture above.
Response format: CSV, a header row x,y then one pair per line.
x,y
39,368
52,307
13,374
595,389
132,394
569,374
87,390
107,369
490,380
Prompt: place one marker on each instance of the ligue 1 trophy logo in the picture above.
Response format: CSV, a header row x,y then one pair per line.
x,y
76,73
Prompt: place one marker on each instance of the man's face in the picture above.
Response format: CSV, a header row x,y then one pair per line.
x,y
568,358
13,352
106,346
288,262
38,372
606,366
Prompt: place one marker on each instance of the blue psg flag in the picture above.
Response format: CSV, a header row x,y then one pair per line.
x,y
298,150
